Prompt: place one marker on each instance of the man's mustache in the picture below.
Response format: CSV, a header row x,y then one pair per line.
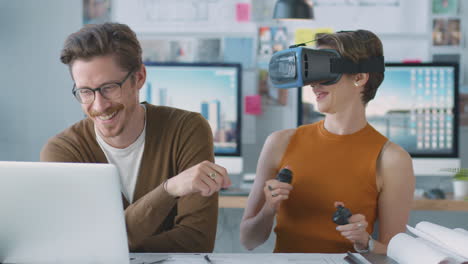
x,y
108,111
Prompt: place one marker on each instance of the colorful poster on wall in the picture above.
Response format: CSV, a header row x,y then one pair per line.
x,y
446,32
271,40
445,7
96,11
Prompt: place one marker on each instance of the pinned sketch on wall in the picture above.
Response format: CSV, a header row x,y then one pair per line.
x,y
349,3
208,50
378,16
181,50
175,11
262,10
271,40
96,11
184,16
445,7
446,32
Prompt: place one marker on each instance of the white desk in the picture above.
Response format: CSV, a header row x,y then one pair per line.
x,y
221,258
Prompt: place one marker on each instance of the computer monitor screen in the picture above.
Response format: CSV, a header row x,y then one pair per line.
x,y
415,107
214,90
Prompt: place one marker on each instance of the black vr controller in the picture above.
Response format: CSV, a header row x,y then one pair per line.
x,y
340,217
285,175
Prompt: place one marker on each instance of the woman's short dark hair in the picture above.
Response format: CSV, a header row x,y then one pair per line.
x,y
357,45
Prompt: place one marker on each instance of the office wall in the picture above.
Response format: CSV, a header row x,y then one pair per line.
x,y
35,98
36,102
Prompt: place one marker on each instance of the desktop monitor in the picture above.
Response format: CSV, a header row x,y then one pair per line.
x,y
213,90
416,108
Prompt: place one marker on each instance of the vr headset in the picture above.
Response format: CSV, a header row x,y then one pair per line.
x,y
300,66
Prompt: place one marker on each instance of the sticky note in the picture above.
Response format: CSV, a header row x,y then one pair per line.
x,y
302,35
242,12
253,104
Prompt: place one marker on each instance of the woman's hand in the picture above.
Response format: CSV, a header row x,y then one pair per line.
x,y
355,231
275,192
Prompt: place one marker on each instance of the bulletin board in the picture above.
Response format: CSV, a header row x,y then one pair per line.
x,y
379,16
181,16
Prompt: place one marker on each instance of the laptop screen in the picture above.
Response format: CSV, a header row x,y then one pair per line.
x,y
61,213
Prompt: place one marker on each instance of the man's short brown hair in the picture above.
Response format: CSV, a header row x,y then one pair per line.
x,y
101,40
357,45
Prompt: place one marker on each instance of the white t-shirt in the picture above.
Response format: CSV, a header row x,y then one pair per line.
x,y
126,160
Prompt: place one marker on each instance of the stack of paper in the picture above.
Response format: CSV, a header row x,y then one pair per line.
x,y
433,244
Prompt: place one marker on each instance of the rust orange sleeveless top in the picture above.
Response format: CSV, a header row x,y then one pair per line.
x,y
327,168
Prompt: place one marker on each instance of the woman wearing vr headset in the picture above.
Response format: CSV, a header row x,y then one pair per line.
x,y
341,160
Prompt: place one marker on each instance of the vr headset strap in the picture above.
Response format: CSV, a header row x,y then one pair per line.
x,y
372,64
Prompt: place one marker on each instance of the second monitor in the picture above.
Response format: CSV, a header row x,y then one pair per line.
x,y
213,90
416,108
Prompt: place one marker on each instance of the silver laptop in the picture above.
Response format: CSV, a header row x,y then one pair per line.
x,y
61,213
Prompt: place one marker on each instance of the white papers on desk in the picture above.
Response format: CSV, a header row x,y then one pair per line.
x,y
461,230
443,237
434,244
257,258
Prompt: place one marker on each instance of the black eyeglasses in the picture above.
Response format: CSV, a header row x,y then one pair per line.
x,y
109,91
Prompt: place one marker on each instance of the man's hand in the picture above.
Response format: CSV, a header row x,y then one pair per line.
x,y
205,177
